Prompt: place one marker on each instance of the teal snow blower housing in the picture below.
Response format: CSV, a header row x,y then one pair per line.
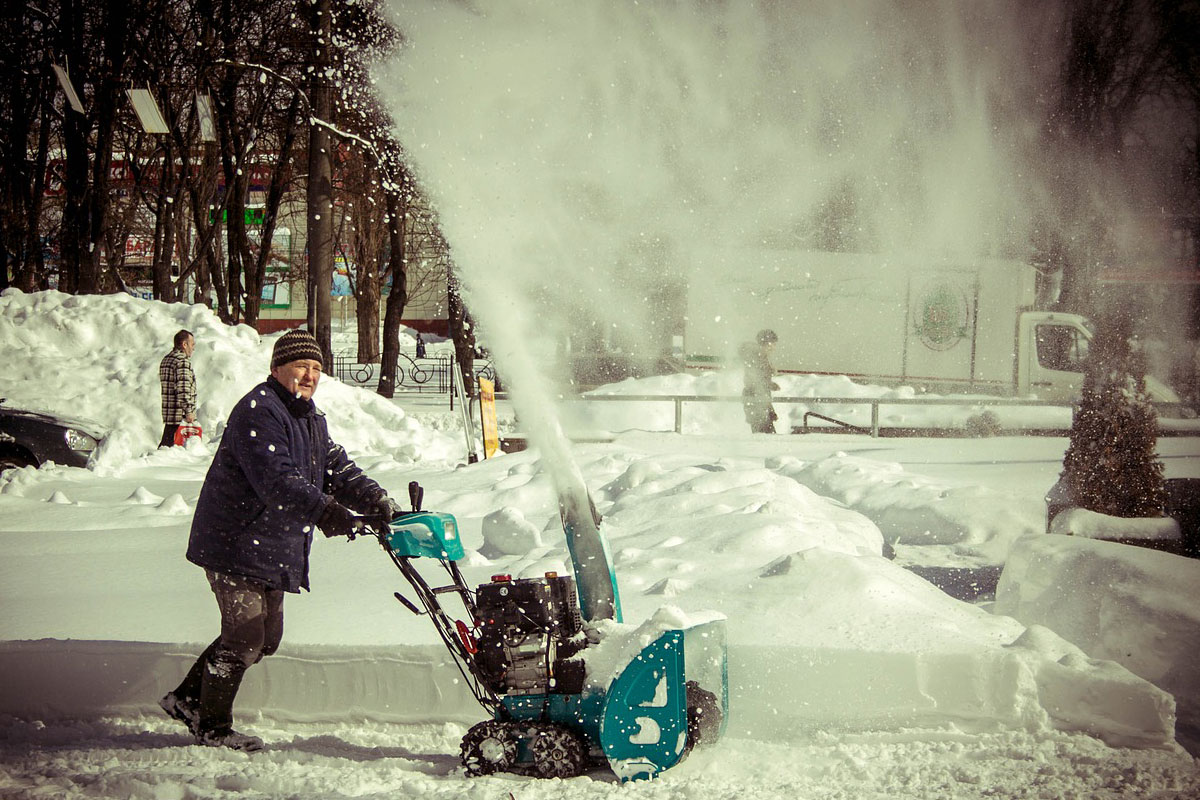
x,y
563,697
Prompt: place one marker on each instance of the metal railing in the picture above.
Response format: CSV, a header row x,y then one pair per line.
x,y
875,403
433,375
424,374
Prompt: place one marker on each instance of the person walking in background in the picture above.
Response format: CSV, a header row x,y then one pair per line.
x,y
420,346
758,382
275,477
178,387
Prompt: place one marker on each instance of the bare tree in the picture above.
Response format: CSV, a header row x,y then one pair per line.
x,y
97,41
1114,62
194,207
397,200
320,181
1181,31
366,211
26,84
462,330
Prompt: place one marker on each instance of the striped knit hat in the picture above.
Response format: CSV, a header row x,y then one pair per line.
x,y
293,346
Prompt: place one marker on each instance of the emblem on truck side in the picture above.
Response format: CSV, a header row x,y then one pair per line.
x,y
940,315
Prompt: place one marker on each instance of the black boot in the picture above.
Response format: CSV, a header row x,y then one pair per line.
x,y
221,679
183,703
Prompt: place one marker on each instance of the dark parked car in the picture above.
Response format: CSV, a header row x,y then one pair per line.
x,y
33,438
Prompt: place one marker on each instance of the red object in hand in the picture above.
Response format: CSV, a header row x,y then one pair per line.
x,y
187,431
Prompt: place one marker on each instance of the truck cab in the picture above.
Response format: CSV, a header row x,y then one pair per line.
x,y
1052,348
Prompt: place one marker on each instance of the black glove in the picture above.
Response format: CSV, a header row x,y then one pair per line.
x,y
383,511
337,520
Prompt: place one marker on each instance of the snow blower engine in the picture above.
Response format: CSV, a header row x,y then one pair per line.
x,y
524,652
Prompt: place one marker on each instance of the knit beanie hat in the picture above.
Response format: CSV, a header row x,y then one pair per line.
x,y
293,346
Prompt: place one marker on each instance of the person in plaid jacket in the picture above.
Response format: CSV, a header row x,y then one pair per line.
x,y
178,387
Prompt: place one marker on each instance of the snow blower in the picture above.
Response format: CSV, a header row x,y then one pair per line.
x,y
564,696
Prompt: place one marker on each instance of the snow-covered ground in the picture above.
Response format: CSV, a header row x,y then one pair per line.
x,y
849,675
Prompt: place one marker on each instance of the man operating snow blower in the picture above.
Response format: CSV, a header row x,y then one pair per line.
x,y
276,475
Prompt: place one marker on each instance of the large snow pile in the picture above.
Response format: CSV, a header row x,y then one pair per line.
x,y
1137,607
97,358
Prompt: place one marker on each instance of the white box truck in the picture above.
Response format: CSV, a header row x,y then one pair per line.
x,y
942,325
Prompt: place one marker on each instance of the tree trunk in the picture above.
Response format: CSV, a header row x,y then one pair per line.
x,y
163,240
104,109
204,257
367,311
397,214
463,334
235,238
35,266
367,280
320,187
73,236
256,275
28,102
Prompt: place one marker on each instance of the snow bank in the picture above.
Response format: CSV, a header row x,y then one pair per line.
x,y
912,509
903,653
1092,525
1138,607
53,679
97,357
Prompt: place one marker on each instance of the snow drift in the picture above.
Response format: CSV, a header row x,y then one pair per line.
x,y
1135,606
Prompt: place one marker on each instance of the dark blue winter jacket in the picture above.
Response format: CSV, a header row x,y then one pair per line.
x,y
275,471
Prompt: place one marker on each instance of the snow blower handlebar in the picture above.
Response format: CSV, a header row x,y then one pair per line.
x,y
434,535
379,526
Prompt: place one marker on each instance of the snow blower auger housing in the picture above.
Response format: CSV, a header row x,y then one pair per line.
x,y
524,651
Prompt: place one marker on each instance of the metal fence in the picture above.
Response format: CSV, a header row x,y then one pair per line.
x,y
1174,417
432,375
421,375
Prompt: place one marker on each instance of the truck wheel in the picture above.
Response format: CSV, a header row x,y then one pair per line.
x,y
489,747
703,716
557,752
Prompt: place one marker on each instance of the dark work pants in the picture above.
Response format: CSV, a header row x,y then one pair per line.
x,y
168,437
760,414
251,628
251,618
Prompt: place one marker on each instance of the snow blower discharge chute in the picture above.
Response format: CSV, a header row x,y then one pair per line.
x,y
524,651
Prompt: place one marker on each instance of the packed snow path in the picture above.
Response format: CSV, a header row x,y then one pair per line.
x,y
148,756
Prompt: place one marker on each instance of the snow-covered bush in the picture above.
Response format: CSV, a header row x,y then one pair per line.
x,y
1111,466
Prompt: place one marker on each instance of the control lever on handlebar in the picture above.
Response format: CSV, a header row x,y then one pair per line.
x,y
370,527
